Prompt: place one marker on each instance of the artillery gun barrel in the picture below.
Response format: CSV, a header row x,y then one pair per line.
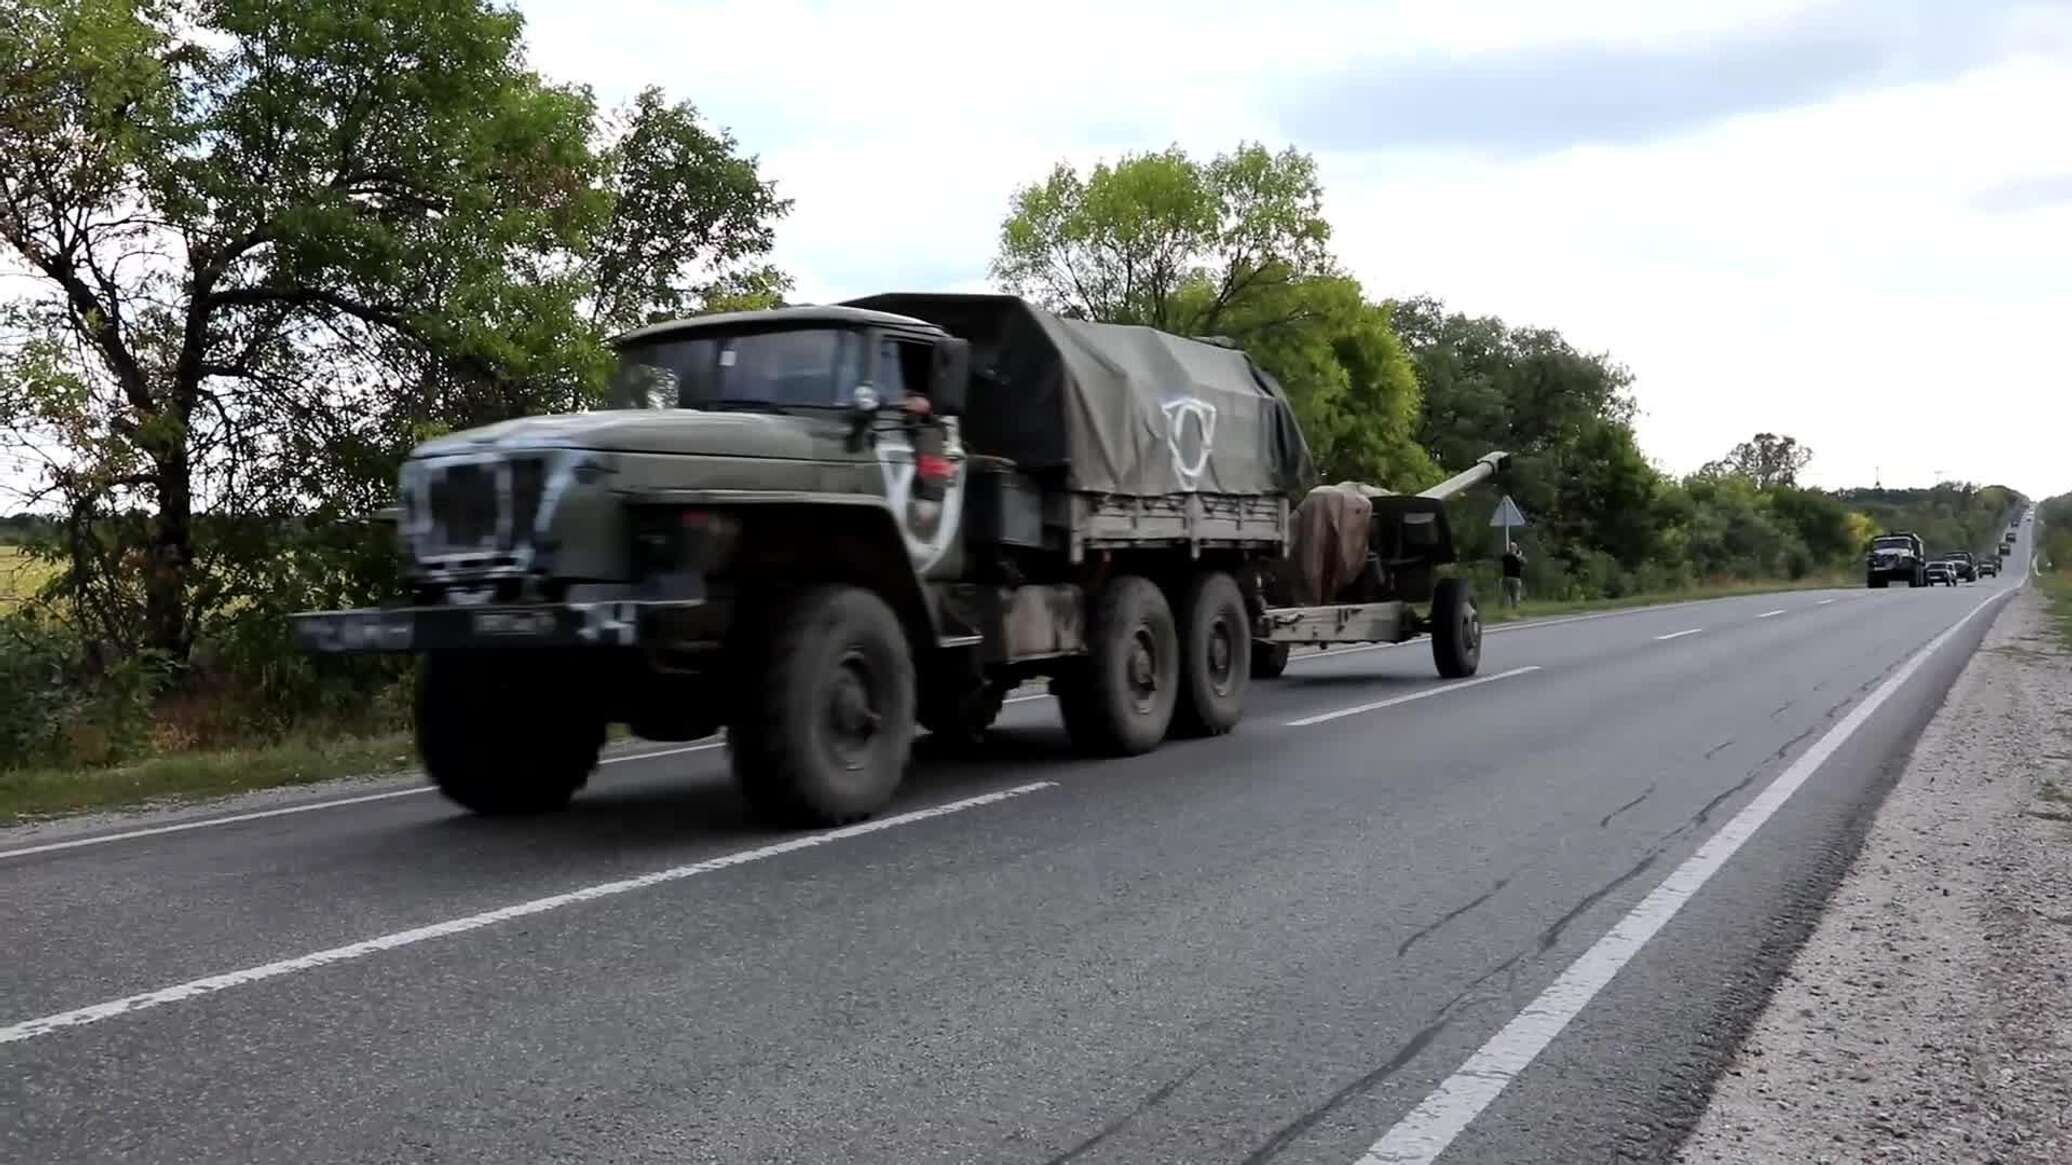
x,y
1485,467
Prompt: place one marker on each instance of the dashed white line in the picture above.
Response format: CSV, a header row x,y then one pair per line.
x,y
1391,702
1823,602
1771,614
1424,1134
1678,634
44,1025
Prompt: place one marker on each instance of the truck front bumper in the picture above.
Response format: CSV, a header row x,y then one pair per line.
x,y
392,630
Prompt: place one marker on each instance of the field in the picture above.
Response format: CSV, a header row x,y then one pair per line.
x,y
19,577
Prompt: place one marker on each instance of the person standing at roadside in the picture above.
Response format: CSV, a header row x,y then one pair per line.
x,y
1514,575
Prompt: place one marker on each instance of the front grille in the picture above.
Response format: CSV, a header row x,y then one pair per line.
x,y
465,508
482,507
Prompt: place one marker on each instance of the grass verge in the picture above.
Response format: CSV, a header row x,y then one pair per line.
x,y
30,794
20,577
1494,612
2057,587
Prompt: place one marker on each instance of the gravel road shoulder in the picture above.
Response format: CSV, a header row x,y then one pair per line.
x,y
1929,1017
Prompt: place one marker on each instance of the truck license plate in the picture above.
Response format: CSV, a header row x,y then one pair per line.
x,y
514,624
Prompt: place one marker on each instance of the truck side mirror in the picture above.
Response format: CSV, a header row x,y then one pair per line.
x,y
864,403
952,376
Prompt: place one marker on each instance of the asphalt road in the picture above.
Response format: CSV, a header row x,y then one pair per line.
x,y
1279,945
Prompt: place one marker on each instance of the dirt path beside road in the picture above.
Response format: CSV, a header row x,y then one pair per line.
x,y
1929,1017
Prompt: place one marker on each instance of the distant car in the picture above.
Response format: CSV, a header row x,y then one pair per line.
x,y
1989,568
1895,556
1962,566
1940,571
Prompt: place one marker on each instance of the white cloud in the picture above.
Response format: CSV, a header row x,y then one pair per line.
x,y
1830,270
1881,273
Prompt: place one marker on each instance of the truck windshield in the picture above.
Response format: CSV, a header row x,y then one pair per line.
x,y
1892,544
797,368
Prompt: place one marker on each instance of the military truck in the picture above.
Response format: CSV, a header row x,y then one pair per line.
x,y
1896,555
764,534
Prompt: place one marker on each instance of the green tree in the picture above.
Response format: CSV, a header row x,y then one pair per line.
x,y
278,242
1564,415
1767,459
1163,240
1236,247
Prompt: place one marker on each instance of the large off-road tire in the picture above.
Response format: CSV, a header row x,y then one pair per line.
x,y
1269,660
1877,582
1215,656
825,720
1456,629
504,734
1119,700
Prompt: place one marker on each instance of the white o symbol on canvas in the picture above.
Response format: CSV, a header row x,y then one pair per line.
x,y
1190,434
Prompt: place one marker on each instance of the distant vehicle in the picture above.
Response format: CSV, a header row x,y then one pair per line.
x,y
1989,566
1893,556
1941,572
1962,566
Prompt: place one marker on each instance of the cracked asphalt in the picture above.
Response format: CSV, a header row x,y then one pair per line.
x,y
1265,947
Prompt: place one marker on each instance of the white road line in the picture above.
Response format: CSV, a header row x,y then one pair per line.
x,y
1424,1134
291,810
1678,634
1526,625
31,1028
1771,614
1823,602
1391,702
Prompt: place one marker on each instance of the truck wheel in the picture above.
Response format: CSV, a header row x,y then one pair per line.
x,y
1456,629
502,736
1269,659
1877,582
1215,656
1119,700
827,714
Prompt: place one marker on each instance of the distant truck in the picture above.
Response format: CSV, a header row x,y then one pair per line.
x,y
1941,572
1989,567
1962,566
767,533
1896,556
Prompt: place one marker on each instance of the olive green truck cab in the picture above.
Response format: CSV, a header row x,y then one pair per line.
x,y
764,535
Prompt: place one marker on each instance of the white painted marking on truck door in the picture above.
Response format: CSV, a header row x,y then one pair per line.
x,y
1392,701
44,1025
1678,634
1420,1137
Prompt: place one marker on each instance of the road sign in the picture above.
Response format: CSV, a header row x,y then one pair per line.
x,y
1507,514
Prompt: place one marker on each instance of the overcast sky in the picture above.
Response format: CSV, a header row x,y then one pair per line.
x,y
1849,221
